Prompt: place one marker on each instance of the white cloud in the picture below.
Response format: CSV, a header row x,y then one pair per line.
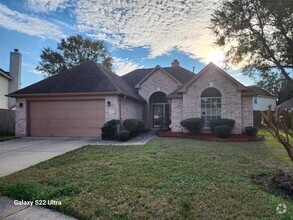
x,y
160,26
27,67
47,5
28,24
123,66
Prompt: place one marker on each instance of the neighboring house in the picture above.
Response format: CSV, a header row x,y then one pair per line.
x,y
10,81
262,99
78,101
287,105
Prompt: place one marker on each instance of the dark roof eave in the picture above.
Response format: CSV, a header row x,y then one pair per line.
x,y
133,98
248,94
12,95
6,75
72,94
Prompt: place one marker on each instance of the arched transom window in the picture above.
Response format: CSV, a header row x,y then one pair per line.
x,y
210,105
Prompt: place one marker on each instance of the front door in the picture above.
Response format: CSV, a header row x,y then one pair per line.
x,y
158,116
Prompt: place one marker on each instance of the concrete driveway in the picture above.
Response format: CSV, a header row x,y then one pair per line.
x,y
22,153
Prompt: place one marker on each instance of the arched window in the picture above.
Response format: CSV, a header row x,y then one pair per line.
x,y
210,105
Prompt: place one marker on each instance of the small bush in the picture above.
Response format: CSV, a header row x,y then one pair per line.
x,y
124,136
222,131
194,125
222,121
110,130
133,125
251,131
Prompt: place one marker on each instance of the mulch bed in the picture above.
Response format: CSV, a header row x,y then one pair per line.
x,y
211,137
280,183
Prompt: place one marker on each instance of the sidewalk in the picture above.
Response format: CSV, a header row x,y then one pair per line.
x,y
10,211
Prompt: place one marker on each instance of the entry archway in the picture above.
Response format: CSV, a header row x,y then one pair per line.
x,y
159,109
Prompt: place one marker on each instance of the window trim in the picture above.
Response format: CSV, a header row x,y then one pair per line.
x,y
209,111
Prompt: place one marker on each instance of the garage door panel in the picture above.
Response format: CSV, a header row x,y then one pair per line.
x,y
67,118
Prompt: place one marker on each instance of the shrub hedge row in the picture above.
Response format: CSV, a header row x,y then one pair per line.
x,y
132,128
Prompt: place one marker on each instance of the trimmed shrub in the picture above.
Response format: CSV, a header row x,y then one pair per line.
x,y
124,136
110,130
251,131
133,125
222,121
193,125
222,131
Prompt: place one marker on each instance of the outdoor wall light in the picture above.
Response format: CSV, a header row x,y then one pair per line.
x,y
20,105
108,103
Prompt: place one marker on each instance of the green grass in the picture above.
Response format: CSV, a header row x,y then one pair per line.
x,y
6,137
168,178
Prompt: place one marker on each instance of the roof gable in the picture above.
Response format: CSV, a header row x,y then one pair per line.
x,y
214,68
134,77
137,86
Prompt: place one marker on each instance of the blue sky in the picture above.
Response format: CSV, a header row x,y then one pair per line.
x,y
138,33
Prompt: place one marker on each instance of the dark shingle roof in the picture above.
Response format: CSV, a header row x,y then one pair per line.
x,y
181,74
259,91
287,104
85,78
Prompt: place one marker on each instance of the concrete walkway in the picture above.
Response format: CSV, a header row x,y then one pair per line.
x,y
10,211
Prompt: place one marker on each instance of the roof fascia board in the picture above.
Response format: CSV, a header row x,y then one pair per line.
x,y
73,94
63,94
6,76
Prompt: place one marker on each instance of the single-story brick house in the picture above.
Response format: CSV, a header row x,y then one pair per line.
x,y
78,101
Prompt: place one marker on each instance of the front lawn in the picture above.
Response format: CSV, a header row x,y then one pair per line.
x,y
168,178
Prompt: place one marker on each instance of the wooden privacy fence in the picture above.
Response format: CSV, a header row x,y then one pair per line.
x,y
257,118
7,121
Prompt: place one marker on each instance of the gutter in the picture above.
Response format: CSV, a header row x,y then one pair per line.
x,y
72,94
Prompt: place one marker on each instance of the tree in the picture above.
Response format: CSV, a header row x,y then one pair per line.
x,y
257,34
275,124
276,85
71,52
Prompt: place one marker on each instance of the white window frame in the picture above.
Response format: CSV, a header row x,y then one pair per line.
x,y
215,112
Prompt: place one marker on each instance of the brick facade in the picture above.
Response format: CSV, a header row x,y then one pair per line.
x,y
157,81
231,97
131,109
233,106
21,118
176,114
246,111
112,111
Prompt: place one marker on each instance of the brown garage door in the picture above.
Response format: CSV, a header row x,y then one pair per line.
x,y
67,118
